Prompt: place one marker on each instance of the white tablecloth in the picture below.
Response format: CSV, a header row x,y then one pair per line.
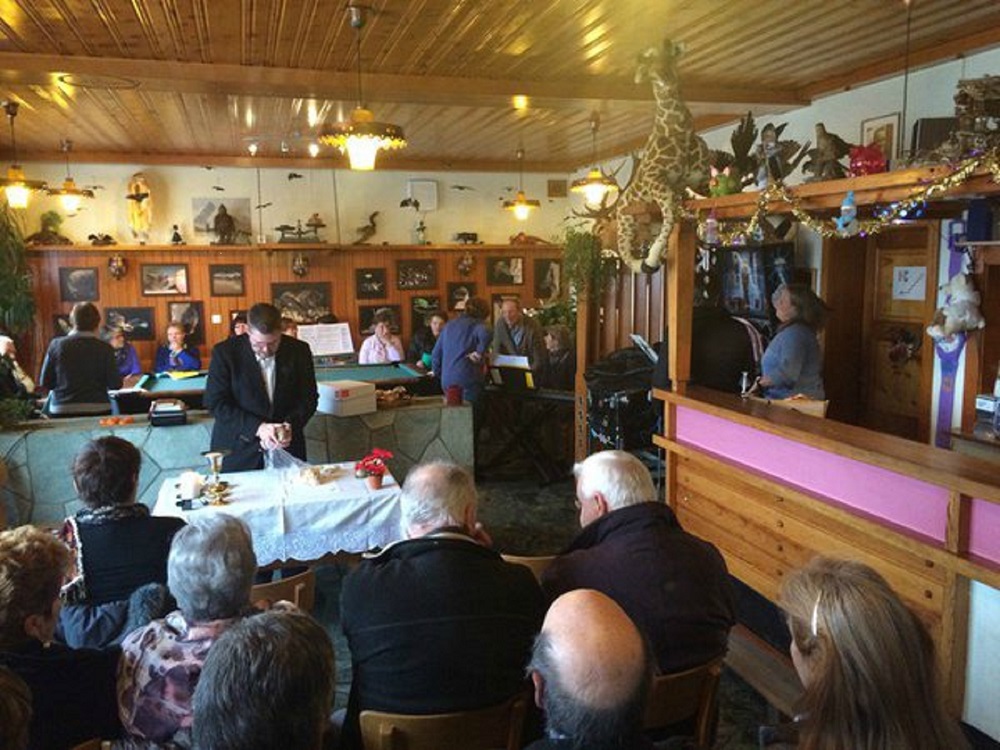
x,y
294,521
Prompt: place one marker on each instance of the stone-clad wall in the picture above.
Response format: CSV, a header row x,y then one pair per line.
x,y
38,455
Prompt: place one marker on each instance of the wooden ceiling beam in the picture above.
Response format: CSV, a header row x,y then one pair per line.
x,y
165,75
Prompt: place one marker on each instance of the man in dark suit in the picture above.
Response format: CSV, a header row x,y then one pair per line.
x,y
261,390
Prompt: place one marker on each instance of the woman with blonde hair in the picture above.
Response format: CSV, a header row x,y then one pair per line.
x,y
866,661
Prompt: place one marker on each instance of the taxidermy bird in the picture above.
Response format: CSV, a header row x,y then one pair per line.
x,y
260,206
367,231
461,187
294,176
412,202
824,160
219,188
138,197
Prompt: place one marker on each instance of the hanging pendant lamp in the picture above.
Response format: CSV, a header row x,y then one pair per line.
x,y
596,184
70,196
362,137
521,206
15,186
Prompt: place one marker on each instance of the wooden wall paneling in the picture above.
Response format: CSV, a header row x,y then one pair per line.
x,y
627,309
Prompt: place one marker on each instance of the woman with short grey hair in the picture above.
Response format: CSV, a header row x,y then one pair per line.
x,y
210,571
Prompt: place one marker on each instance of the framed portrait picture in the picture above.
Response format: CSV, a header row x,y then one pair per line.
x,y
192,316
367,312
164,279
78,284
369,283
420,307
416,274
884,131
548,279
459,292
498,300
504,271
226,280
303,302
136,322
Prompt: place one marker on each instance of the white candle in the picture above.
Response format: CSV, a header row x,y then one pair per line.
x,y
191,483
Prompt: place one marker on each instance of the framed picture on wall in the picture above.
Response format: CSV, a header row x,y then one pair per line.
x,y
884,132
136,322
416,274
498,300
78,284
504,271
367,312
369,283
303,302
420,307
226,280
548,279
459,292
164,279
192,316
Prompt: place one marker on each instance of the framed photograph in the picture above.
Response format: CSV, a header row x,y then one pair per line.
x,y
211,216
883,130
61,325
367,312
137,322
420,307
459,292
416,274
369,283
498,300
556,189
192,315
169,279
303,302
548,279
504,271
226,281
78,284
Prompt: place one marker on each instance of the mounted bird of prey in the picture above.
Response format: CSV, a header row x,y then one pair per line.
x,y
824,160
367,231
412,202
294,176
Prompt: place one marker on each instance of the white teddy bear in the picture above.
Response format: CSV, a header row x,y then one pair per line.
x,y
960,311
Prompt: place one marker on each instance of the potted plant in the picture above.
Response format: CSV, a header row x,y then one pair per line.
x,y
372,467
17,306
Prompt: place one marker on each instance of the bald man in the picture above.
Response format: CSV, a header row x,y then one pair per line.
x,y
591,671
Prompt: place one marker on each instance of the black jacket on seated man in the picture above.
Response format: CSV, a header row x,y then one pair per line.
x,y
237,397
673,585
437,624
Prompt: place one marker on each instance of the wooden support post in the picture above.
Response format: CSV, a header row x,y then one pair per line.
x,y
681,250
955,623
583,355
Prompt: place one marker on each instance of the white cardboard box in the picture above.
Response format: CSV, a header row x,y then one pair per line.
x,y
346,398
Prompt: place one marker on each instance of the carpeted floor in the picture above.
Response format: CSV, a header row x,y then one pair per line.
x,y
526,519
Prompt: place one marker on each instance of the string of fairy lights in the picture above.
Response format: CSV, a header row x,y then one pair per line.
x,y
734,232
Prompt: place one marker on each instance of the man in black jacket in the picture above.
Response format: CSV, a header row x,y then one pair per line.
x,y
673,585
261,390
439,622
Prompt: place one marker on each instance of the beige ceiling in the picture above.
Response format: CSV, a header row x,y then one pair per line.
x,y
193,81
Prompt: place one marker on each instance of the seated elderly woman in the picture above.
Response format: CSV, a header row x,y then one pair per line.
x,y
72,690
559,369
210,572
119,548
866,661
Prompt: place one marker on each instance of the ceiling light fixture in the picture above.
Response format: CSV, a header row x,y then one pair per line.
x,y
15,186
596,184
70,196
313,150
521,206
362,136
252,147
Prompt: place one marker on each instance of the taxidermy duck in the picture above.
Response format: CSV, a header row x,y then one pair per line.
x,y
367,231
824,160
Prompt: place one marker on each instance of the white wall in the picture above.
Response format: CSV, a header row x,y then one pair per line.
x,y
343,199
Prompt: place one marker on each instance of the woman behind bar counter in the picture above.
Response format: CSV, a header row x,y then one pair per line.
x,y
793,362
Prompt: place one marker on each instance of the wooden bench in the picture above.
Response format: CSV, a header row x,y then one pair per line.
x,y
766,669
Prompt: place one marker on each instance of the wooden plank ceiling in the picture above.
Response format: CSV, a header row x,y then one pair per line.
x,y
194,81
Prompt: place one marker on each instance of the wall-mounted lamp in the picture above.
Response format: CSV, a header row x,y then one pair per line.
x,y
300,264
117,266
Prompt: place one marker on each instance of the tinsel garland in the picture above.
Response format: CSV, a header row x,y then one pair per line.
x,y
739,233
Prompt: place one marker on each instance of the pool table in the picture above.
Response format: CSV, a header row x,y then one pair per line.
x,y
141,390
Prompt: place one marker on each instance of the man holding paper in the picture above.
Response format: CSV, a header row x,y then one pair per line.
x,y
517,334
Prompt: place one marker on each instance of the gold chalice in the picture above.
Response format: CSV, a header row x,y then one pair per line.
x,y
216,488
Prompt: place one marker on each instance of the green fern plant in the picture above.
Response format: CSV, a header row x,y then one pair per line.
x,y
585,265
17,305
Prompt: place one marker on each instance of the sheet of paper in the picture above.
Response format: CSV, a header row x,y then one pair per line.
x,y
327,338
509,360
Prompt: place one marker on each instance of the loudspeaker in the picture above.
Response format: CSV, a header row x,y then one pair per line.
x,y
931,132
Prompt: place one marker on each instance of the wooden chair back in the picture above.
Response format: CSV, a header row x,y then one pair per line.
x,y
537,564
482,729
299,589
683,695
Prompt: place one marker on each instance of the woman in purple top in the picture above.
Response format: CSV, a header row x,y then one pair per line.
x,y
126,357
460,351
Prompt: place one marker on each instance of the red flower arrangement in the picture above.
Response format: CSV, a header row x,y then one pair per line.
x,y
373,464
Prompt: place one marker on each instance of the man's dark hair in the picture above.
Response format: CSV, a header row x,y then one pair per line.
x,y
586,727
85,316
266,683
106,471
476,307
264,318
